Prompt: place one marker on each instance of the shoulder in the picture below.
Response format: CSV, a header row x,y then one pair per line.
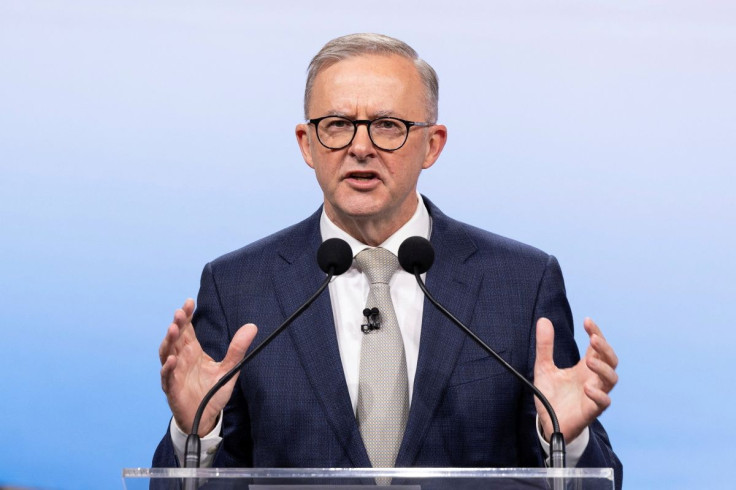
x,y
481,245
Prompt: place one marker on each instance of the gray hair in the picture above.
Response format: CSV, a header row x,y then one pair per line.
x,y
352,45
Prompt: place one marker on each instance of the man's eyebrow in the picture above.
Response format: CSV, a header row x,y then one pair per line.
x,y
374,115
384,113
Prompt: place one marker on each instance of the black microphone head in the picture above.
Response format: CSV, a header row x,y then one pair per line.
x,y
334,254
416,253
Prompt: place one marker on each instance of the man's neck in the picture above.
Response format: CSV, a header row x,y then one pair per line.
x,y
369,230
419,224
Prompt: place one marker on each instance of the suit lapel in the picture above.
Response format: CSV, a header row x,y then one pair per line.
x,y
455,284
314,337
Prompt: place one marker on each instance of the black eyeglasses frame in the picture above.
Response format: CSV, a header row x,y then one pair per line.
x,y
367,122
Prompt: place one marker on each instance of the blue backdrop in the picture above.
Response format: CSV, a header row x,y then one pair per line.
x,y
139,140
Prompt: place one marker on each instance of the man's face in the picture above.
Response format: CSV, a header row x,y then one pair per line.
x,y
367,188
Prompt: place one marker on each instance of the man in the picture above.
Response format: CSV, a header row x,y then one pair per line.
x,y
371,109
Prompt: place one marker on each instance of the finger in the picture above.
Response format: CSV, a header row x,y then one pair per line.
x,y
167,345
599,344
188,308
183,319
606,374
591,327
167,373
599,397
545,343
603,350
239,345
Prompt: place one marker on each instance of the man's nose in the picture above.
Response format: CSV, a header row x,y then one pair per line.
x,y
362,146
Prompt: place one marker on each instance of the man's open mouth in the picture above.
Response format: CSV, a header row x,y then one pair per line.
x,y
362,175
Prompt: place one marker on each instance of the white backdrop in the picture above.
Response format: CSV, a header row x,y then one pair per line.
x,y
139,140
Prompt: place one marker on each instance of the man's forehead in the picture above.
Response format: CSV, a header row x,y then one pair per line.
x,y
368,86
373,62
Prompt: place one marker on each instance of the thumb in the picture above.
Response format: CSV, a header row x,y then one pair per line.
x,y
545,344
239,345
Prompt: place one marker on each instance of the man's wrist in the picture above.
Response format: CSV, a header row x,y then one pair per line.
x,y
209,443
574,449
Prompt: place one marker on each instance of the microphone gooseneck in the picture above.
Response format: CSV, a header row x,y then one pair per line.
x,y
416,256
334,257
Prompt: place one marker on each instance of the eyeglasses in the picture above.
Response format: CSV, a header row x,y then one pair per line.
x,y
386,133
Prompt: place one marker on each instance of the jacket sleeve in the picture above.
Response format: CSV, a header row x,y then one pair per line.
x,y
552,303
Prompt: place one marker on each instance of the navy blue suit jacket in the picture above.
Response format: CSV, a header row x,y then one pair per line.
x,y
291,407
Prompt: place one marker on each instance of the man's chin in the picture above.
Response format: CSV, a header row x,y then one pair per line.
x,y
358,213
358,206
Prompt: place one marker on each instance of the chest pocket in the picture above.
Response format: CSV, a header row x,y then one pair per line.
x,y
476,364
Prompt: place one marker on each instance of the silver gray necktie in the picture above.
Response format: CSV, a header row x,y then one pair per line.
x,y
383,391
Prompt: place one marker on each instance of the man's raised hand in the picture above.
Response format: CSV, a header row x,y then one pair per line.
x,y
187,373
578,394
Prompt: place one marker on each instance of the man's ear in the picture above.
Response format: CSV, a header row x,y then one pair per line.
x,y
304,139
435,143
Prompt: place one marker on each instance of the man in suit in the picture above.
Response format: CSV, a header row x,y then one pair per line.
x,y
371,109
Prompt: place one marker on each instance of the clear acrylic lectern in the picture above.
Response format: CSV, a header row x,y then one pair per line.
x,y
360,478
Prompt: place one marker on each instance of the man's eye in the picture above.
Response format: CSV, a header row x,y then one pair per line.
x,y
337,124
386,124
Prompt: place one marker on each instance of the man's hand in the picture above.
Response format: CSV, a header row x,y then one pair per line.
x,y
578,394
187,373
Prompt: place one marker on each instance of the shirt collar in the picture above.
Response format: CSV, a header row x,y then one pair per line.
x,y
418,225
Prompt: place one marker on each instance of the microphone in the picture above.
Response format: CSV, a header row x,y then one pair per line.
x,y
373,316
334,257
416,256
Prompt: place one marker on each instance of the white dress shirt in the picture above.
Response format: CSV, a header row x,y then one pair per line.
x,y
349,294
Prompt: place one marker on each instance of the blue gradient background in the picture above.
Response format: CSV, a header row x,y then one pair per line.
x,y
139,140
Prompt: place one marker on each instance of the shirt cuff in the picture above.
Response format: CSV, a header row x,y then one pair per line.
x,y
208,444
573,450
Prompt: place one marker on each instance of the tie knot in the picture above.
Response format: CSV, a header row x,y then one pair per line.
x,y
378,264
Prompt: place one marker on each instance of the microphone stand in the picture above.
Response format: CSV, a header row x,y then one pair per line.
x,y
192,453
334,257
557,441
